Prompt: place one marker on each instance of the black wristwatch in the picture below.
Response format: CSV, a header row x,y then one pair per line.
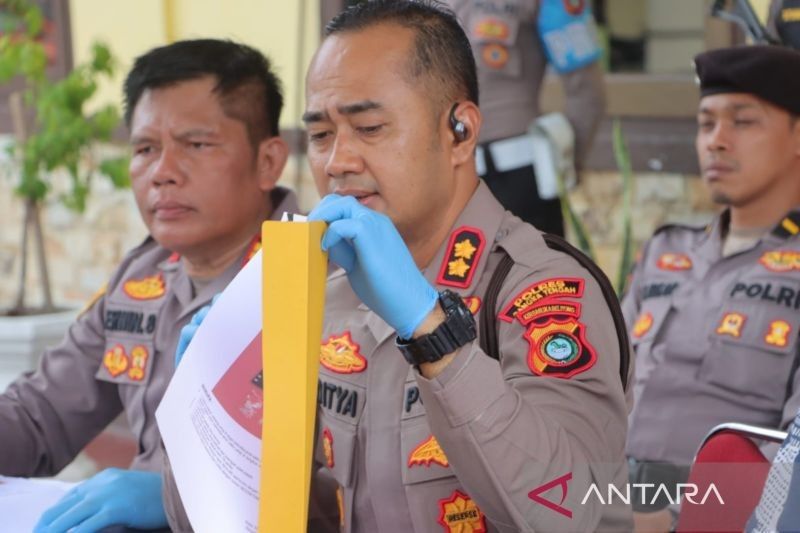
x,y
457,330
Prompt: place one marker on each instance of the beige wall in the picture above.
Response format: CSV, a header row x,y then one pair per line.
x,y
133,27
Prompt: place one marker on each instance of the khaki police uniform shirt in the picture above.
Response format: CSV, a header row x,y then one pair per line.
x,y
482,445
511,65
715,337
118,355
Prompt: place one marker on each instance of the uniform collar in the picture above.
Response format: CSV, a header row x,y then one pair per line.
x,y
788,227
711,243
481,218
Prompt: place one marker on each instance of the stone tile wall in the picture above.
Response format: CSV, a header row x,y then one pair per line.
x,y
84,248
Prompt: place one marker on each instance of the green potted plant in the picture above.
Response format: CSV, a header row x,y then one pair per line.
x,y
53,133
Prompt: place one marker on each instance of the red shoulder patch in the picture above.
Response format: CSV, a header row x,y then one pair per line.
x,y
463,253
539,292
558,348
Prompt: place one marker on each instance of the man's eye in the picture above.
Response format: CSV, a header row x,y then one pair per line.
x,y
705,125
744,122
370,129
318,136
142,150
198,145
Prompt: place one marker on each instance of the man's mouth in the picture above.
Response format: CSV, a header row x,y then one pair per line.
x,y
363,197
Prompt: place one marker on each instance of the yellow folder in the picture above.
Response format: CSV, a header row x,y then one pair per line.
x,y
294,271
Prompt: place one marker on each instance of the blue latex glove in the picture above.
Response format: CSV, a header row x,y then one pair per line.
x,y
379,266
130,498
188,331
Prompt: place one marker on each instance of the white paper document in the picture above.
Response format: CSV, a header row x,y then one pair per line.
x,y
210,417
23,500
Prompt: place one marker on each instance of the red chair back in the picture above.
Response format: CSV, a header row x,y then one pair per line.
x,y
738,470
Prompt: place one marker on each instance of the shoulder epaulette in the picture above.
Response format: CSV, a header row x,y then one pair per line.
x,y
789,226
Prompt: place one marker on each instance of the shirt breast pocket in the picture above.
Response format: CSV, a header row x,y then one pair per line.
x,y
753,347
126,361
341,405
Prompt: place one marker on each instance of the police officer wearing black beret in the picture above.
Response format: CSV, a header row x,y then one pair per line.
x,y
714,312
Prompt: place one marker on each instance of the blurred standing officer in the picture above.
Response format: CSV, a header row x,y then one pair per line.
x,y
203,117
714,312
513,42
422,426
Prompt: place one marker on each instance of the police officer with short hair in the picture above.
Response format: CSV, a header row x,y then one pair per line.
x,y
427,421
514,42
714,312
203,118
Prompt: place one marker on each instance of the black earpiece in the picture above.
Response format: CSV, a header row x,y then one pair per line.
x,y
459,128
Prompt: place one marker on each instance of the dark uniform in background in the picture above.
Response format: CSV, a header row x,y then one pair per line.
x,y
514,41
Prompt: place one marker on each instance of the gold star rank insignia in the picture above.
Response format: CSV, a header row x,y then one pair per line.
x,y
464,251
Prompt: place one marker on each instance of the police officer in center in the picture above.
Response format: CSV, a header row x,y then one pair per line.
x,y
435,425
203,118
514,41
714,311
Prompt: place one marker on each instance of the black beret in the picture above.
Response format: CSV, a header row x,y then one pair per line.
x,y
771,73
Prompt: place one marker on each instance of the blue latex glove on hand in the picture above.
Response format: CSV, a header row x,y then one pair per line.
x,y
130,498
379,266
188,331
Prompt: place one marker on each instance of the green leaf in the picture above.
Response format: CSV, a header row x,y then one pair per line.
x,y
117,171
34,20
623,159
584,241
102,60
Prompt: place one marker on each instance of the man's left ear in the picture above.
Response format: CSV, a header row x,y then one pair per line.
x,y
273,153
467,114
